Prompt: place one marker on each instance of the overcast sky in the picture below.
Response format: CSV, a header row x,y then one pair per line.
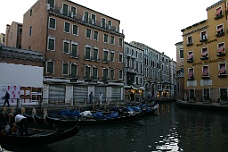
x,y
156,23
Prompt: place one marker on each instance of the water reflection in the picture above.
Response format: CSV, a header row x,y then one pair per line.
x,y
171,129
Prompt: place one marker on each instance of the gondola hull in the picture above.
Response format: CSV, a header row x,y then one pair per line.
x,y
37,137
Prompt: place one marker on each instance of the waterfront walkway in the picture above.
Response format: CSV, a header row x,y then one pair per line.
x,y
204,105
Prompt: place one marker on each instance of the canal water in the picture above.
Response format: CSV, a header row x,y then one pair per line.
x,y
170,129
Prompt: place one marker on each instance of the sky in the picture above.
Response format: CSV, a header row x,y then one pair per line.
x,y
155,23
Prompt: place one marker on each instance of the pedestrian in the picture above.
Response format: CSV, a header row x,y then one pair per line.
x,y
91,97
21,121
100,98
6,97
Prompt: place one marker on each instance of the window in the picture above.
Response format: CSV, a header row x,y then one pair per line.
x,y
30,12
65,68
87,72
95,54
112,40
103,22
66,46
50,67
189,41
88,33
120,42
52,23
218,13
105,56
73,70
205,71
51,43
220,30
73,11
87,53
95,73
109,24
67,27
30,31
93,19
221,49
95,35
203,36
222,69
74,29
86,17
120,57
65,9
120,74
112,53
112,74
74,49
204,53
190,56
105,38
190,74
51,2
105,73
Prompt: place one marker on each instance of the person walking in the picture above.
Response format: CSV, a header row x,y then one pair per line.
x,y
6,97
100,98
91,97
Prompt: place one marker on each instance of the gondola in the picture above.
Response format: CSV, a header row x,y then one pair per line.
x,y
37,137
95,118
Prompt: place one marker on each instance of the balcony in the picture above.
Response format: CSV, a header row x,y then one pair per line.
x,y
106,61
190,60
203,40
205,77
218,16
189,44
219,34
204,57
73,78
222,75
81,19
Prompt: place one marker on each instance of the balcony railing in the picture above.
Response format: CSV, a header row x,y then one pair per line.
x,y
82,19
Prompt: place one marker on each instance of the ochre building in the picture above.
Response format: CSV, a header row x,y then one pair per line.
x,y
205,56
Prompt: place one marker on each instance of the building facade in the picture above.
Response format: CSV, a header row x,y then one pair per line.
x,y
83,50
180,71
133,72
157,72
13,35
205,62
2,38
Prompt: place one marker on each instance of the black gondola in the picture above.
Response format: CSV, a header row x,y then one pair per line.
x,y
37,137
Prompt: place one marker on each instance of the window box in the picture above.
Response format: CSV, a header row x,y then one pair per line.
x,y
190,78
220,34
190,60
205,77
218,16
189,44
204,57
221,54
203,40
222,75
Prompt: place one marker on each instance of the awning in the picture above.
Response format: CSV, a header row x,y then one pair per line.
x,y
142,88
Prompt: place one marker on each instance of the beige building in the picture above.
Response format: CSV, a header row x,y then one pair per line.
x,y
2,38
83,50
180,70
205,57
13,35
